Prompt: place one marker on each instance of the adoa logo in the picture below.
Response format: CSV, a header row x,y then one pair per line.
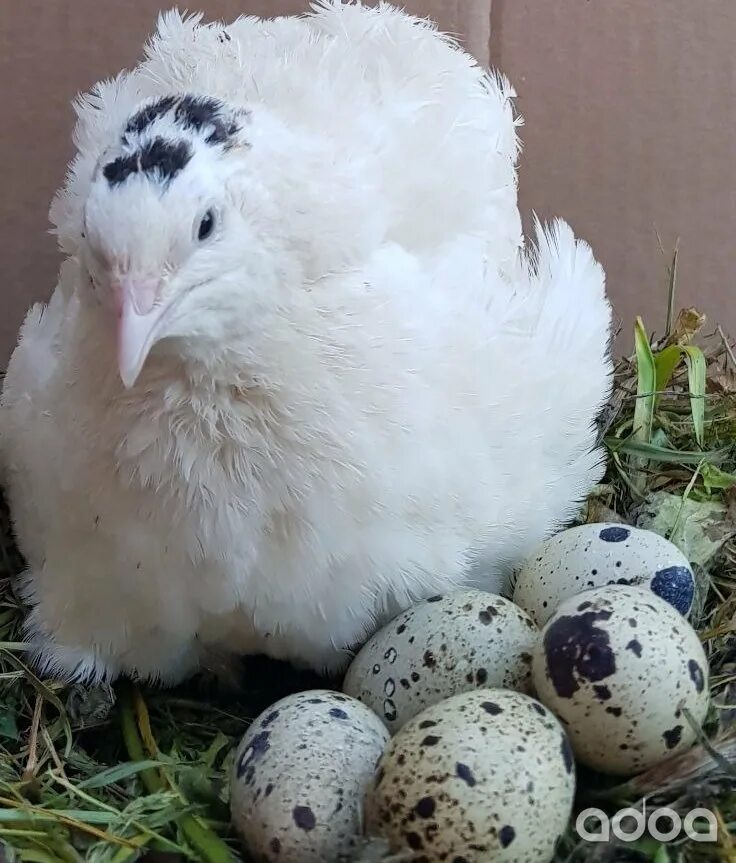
x,y
663,824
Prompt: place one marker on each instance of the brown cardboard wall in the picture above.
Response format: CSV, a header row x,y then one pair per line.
x,y
50,50
630,112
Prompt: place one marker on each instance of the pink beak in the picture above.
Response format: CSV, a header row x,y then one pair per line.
x,y
138,322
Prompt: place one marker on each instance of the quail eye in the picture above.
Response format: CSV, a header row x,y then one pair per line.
x,y
206,226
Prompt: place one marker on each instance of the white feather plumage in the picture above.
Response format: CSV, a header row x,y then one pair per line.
x,y
376,395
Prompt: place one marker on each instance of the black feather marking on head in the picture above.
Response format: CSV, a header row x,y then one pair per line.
x,y
165,158
194,112
118,171
198,112
159,158
142,119
223,133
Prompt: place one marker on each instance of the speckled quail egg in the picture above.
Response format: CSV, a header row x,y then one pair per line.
x,y
619,666
300,775
593,555
485,775
439,648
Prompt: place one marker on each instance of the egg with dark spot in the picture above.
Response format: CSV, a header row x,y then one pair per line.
x,y
456,643
594,555
621,698
494,785
300,774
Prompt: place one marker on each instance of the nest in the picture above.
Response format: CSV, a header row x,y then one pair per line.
x,y
113,775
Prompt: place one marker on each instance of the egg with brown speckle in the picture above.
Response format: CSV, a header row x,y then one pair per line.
x,y
619,667
485,775
440,647
300,775
593,555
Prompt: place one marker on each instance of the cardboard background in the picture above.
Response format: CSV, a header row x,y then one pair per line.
x,y
630,128
630,131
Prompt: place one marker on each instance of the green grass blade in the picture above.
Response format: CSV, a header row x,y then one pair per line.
x,y
646,384
36,855
83,816
117,774
663,455
208,847
696,374
665,362
124,855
